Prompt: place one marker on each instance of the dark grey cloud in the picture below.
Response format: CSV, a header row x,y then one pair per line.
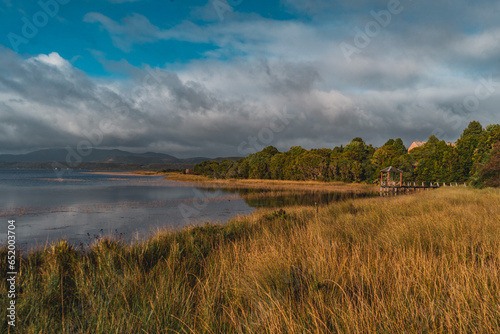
x,y
213,109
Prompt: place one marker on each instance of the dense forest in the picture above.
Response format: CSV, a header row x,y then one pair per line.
x,y
474,158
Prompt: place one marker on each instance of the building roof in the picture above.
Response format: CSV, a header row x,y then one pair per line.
x,y
416,144
392,169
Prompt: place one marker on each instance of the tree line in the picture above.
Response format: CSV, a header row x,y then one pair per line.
x,y
475,158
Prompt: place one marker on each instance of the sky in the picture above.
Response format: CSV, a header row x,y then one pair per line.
x,y
229,77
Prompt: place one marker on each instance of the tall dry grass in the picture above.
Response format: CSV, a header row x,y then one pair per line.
x,y
428,262
287,185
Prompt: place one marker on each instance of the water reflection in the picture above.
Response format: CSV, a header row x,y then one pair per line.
x,y
46,208
266,198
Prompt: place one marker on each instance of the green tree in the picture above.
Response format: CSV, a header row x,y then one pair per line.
x,y
475,157
291,169
473,129
357,149
385,156
277,166
393,153
313,164
466,147
490,172
243,168
436,161
390,142
208,168
259,163
485,153
399,146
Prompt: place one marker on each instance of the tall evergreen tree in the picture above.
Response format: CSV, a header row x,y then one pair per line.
x,y
466,146
475,157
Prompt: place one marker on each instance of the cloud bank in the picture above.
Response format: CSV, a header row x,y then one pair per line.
x,y
265,82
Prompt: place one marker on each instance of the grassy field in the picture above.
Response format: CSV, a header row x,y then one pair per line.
x,y
204,181
428,262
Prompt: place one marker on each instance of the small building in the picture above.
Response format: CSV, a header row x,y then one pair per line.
x,y
189,171
391,171
416,144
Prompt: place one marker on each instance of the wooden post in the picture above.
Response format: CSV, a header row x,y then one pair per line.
x,y
381,178
400,179
389,179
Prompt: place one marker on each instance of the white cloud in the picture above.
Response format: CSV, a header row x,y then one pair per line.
x,y
483,45
53,59
133,29
209,109
252,35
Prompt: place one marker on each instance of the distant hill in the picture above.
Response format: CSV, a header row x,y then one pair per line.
x,y
102,156
95,155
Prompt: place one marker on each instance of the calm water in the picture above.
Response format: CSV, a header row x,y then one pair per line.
x,y
77,205
80,206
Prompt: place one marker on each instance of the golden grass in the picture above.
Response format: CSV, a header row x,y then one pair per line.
x,y
204,181
176,176
149,173
429,262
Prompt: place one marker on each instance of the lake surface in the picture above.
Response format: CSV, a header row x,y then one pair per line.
x,y
77,205
80,206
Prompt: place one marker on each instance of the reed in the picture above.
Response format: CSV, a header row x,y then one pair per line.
x,y
429,262
206,182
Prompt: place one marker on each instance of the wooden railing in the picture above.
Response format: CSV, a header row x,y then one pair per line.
x,y
406,187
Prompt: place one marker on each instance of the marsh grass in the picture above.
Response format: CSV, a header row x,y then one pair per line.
x,y
206,182
429,262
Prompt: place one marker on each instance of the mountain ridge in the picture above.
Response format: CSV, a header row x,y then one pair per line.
x,y
115,156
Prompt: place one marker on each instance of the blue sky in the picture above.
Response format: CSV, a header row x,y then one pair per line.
x,y
89,33
228,77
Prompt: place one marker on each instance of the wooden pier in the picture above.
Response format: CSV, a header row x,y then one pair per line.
x,y
391,188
